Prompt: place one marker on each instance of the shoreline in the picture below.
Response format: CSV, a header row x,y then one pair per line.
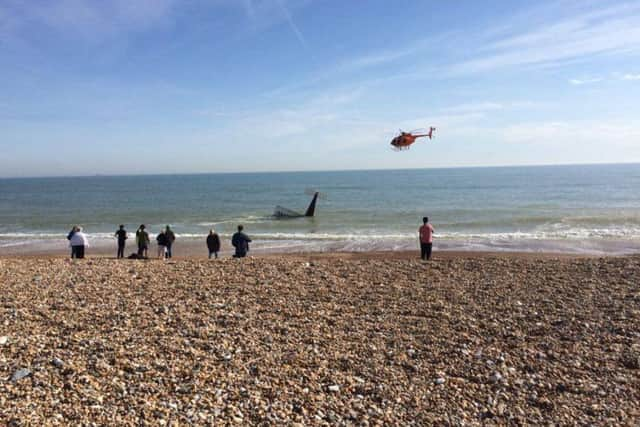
x,y
195,247
342,255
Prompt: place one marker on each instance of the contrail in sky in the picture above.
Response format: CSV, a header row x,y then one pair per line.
x,y
292,24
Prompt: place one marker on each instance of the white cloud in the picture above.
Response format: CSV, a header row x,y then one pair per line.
x,y
575,134
579,82
385,56
103,20
610,30
631,77
556,36
325,111
474,107
486,107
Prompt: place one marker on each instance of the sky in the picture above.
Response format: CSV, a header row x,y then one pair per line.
x,y
199,86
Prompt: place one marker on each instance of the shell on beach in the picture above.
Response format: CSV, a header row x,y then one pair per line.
x,y
326,341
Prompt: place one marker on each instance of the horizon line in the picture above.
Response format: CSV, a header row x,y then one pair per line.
x,y
123,175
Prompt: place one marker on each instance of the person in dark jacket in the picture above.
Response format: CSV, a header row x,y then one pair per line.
x,y
171,237
142,239
69,236
240,241
161,239
72,232
213,243
121,234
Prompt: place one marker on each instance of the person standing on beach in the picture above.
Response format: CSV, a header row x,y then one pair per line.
x,y
78,242
73,231
426,239
240,241
161,239
121,234
213,243
170,238
142,239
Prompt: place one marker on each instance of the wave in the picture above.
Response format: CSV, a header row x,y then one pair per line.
x,y
331,242
251,219
544,221
544,234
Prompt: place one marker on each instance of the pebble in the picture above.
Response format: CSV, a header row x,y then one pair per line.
x,y
3,340
20,374
202,343
496,377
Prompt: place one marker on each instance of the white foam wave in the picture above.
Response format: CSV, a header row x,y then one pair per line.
x,y
559,234
567,234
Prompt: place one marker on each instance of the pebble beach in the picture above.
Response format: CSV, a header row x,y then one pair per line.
x,y
319,340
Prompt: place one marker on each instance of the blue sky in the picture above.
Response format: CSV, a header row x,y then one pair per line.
x,y
182,86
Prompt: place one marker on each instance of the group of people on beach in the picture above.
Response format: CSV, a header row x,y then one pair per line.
x,y
240,241
165,239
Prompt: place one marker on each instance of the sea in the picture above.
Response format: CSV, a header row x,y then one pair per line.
x,y
584,209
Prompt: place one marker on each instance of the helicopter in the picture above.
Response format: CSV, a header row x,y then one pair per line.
x,y
405,139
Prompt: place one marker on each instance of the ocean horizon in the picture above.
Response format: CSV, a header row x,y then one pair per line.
x,y
591,209
125,175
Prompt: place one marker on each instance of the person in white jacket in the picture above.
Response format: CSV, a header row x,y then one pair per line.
x,y
78,242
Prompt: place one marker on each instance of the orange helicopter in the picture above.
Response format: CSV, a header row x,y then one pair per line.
x,y
405,139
